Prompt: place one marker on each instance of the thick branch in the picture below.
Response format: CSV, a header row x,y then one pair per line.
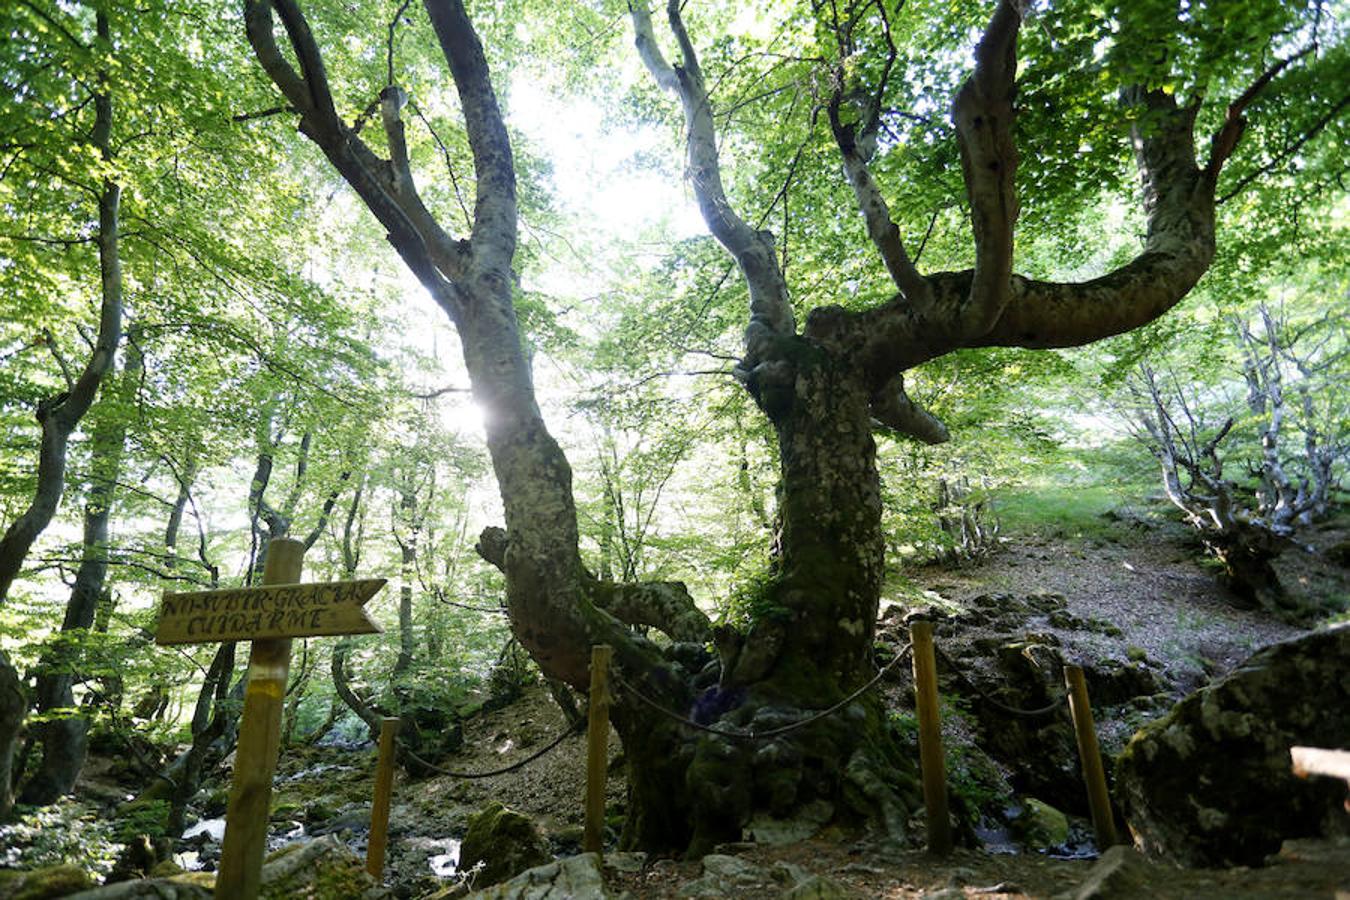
x,y
856,152
893,408
770,307
433,257
983,115
663,605
494,209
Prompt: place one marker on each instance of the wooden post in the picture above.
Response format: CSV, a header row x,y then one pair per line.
x,y
1088,752
597,749
379,810
931,763
255,759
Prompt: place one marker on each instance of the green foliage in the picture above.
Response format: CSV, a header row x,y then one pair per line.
x,y
752,600
63,833
147,817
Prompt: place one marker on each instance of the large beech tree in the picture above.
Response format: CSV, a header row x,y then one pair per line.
x,y
825,380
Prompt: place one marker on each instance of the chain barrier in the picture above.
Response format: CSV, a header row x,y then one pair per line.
x,y
1050,707
519,764
762,735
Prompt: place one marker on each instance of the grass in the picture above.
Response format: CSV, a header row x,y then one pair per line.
x,y
1062,510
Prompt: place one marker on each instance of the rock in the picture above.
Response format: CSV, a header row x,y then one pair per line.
x,y
574,876
1040,826
504,841
194,886
1210,783
286,811
725,876
38,884
818,887
322,869
808,820
1120,874
625,861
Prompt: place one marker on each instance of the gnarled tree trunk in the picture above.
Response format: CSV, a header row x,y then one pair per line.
x,y
824,388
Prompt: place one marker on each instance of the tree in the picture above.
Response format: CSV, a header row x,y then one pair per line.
x,y
823,385
58,415
1246,528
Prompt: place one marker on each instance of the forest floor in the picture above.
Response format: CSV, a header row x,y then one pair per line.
x,y
1141,576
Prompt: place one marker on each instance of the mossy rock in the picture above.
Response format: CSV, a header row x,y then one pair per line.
x,y
1040,826
504,841
322,869
39,884
286,810
1210,784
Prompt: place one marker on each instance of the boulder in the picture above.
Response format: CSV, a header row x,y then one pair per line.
x,y
818,887
1120,874
1040,826
37,884
573,876
504,841
1210,783
322,869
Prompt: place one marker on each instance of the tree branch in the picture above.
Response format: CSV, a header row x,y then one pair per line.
x,y
983,114
893,408
770,308
1226,139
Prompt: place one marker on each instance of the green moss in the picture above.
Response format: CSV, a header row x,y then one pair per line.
x,y
505,841
1040,825
39,884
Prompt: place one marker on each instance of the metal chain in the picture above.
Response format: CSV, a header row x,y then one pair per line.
x,y
772,733
520,764
1050,707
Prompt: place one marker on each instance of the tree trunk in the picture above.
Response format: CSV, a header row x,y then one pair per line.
x,y
65,740
808,647
407,545
1247,555
13,708
59,415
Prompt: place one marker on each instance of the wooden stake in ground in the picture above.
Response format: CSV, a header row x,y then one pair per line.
x,y
379,810
597,749
1094,776
931,763
270,616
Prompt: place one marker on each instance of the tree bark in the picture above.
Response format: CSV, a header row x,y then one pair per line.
x,y
13,708
59,415
65,740
810,643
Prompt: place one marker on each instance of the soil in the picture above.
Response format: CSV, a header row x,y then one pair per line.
x,y
1141,578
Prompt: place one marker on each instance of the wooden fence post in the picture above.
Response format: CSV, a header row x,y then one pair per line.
x,y
255,759
931,763
379,810
1094,775
597,749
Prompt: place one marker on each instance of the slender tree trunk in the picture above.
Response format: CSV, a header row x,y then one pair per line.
x,y
59,415
13,708
65,740
407,545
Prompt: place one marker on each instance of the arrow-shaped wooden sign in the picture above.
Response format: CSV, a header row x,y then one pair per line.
x,y
269,611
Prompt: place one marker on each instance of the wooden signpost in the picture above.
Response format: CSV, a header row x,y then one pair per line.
x,y
269,616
